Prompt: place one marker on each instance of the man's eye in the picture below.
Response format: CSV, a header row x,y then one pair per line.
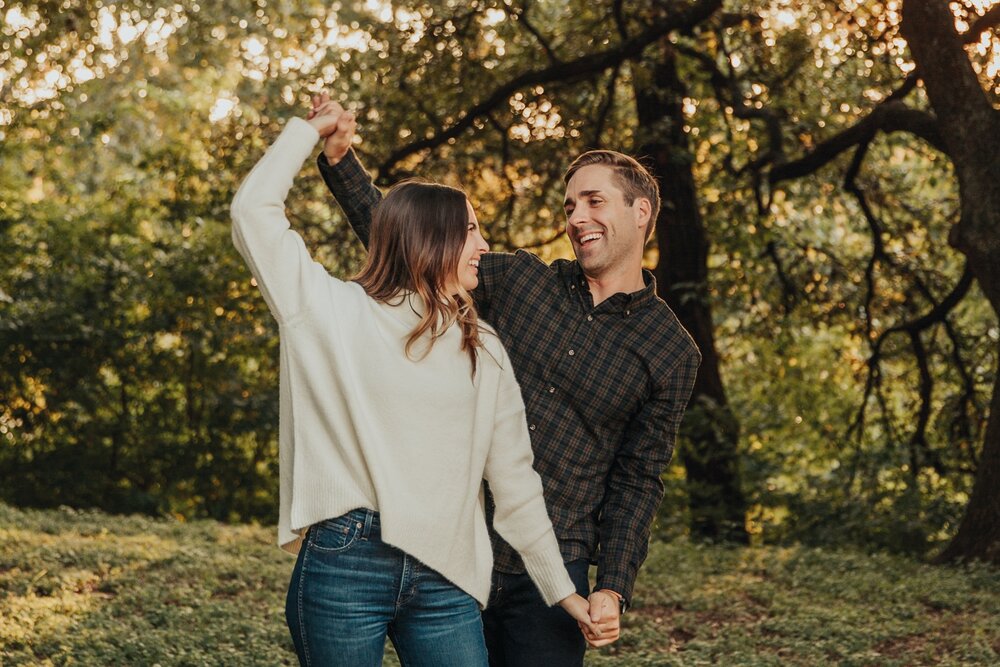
x,y
595,202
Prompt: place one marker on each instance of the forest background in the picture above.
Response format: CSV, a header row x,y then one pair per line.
x,y
830,236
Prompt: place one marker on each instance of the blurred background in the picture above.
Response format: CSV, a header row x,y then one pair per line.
x,y
814,236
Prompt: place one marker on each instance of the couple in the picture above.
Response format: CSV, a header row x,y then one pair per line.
x,y
397,403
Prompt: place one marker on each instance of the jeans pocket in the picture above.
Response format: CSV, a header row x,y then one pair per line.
x,y
334,535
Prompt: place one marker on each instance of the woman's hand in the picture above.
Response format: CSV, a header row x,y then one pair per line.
x,y
334,124
578,607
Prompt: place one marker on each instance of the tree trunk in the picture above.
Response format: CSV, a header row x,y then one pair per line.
x,y
711,431
970,128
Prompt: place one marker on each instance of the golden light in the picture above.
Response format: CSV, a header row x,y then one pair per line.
x,y
222,108
784,18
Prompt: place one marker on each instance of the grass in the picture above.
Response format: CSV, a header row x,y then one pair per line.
x,y
86,588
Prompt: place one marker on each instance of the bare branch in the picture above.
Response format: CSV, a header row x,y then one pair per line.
x,y
727,90
919,448
544,242
940,311
570,71
522,18
987,21
788,291
888,117
606,106
619,15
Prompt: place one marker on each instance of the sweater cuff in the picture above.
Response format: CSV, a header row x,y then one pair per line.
x,y
302,128
547,570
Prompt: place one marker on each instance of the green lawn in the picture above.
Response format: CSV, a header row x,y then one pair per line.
x,y
87,588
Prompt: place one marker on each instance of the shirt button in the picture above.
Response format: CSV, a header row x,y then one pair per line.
x,y
590,318
572,286
531,428
572,352
628,312
552,390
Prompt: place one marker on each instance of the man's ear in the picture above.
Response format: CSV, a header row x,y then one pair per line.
x,y
643,212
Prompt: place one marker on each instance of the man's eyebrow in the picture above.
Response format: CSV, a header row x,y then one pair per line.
x,y
583,195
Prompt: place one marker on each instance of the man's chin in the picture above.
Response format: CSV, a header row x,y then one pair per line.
x,y
589,264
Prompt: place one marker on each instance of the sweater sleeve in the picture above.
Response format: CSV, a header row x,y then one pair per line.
x,y
277,255
521,517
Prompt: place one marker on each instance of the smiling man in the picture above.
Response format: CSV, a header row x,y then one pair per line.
x,y
606,370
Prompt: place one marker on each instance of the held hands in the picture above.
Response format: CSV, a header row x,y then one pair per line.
x,y
597,617
577,607
605,617
335,125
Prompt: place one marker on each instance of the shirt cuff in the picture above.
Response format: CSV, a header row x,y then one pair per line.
x,y
347,164
617,583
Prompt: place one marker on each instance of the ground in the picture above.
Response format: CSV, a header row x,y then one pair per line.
x,y
87,588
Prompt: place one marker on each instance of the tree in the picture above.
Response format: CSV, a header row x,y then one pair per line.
x,y
962,124
969,125
849,354
716,501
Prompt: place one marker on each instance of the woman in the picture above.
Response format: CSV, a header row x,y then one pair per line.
x,y
395,404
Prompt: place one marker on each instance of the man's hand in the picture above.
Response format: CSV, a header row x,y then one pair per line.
x,y
337,142
605,613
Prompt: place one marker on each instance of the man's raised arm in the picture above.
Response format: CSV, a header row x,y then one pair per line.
x,y
344,175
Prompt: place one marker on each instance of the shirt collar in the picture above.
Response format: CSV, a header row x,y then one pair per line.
x,y
625,304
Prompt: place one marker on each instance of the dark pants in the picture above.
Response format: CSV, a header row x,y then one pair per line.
x,y
521,631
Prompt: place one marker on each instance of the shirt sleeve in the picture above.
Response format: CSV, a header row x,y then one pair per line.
x,y
635,488
520,516
276,254
494,268
351,185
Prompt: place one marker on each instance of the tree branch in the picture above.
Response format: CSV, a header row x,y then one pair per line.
x,y
888,117
605,109
619,15
569,71
953,87
788,292
522,18
728,91
987,21
939,312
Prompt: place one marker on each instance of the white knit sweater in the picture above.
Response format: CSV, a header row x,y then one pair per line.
x,y
363,425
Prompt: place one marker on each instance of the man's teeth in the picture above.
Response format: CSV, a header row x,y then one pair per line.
x,y
474,262
589,237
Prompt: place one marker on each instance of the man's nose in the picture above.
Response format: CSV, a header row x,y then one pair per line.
x,y
576,217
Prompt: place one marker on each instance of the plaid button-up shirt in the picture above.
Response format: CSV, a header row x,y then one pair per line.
x,y
604,388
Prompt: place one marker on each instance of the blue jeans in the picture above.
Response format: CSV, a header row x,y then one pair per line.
x,y
522,631
349,590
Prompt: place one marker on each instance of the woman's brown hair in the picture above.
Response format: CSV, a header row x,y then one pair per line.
x,y
417,237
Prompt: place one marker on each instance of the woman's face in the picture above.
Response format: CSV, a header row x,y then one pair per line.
x,y
475,246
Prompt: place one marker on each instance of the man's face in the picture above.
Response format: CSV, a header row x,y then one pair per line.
x,y
606,233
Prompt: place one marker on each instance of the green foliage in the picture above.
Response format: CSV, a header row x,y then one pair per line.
x,y
138,365
92,589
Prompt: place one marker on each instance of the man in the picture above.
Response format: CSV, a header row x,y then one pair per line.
x,y
606,370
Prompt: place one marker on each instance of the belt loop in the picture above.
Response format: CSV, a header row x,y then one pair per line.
x,y
369,517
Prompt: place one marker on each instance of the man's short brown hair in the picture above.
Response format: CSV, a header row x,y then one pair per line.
x,y
630,175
